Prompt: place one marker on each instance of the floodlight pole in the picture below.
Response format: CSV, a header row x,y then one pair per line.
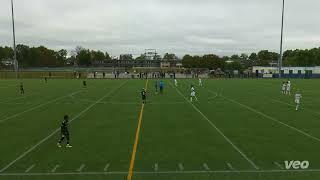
x,y
14,42
281,41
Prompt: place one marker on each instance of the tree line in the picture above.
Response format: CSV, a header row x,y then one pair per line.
x,y
234,62
44,57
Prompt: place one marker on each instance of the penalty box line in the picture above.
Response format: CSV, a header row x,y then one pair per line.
x,y
15,99
271,118
38,106
218,130
286,103
133,103
58,129
136,141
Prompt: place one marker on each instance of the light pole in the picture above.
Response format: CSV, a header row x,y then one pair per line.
x,y
281,41
14,42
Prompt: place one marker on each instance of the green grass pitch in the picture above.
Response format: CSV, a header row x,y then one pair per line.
x,y
239,129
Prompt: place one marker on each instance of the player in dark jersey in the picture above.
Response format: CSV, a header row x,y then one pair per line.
x,y
84,83
21,89
45,79
156,87
144,96
64,131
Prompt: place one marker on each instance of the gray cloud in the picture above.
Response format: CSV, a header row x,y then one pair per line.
x,y
223,27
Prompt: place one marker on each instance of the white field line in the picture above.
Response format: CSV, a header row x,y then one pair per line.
x,y
206,167
55,168
30,168
229,171
106,167
156,167
167,172
230,167
271,118
3,115
14,103
5,87
36,107
285,103
212,98
180,165
293,105
81,168
278,165
11,100
219,131
106,102
58,129
132,103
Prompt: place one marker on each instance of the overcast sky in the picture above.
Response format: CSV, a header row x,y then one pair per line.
x,y
223,27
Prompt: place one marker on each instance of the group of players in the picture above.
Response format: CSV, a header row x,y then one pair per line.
x,y
286,90
192,89
159,87
64,128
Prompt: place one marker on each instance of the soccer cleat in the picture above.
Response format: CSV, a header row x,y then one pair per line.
x,y
59,145
68,146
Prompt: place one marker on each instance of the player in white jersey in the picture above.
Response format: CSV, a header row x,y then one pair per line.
x,y
200,82
193,94
297,97
175,82
284,87
192,88
288,88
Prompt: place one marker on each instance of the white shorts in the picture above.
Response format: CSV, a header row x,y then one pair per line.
x,y
288,89
193,94
297,101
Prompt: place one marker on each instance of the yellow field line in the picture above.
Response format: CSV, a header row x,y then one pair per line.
x,y
136,141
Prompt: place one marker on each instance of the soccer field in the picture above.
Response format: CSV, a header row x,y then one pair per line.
x,y
239,129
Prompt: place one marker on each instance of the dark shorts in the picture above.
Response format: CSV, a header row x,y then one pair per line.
x,y
65,133
144,97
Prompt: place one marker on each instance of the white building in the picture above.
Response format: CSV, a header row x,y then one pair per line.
x,y
287,72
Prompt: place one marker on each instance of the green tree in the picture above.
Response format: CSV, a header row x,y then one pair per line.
x,y
234,66
142,57
61,57
187,61
97,55
107,56
6,53
235,57
253,57
265,58
212,61
170,57
126,57
84,57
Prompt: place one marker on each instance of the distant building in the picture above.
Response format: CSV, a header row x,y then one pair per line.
x,y
131,63
7,62
229,61
165,64
287,72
